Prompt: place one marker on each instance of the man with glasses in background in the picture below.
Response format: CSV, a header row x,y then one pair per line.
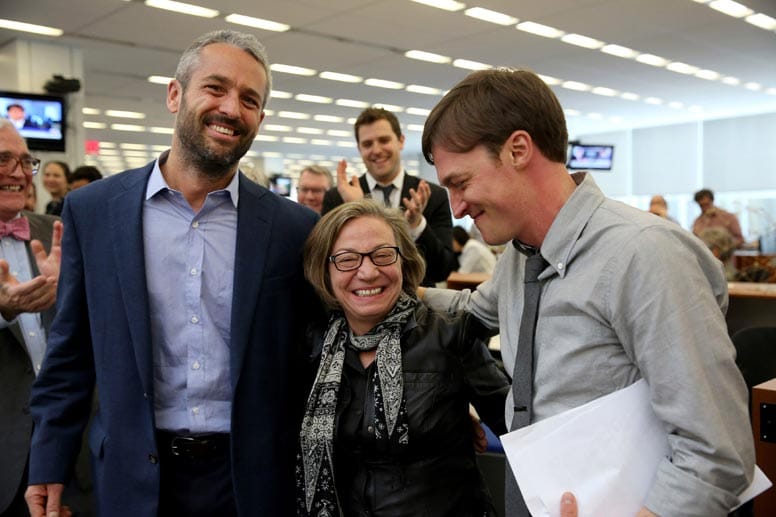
x,y
29,270
314,181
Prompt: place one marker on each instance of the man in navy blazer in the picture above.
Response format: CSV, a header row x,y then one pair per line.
x,y
182,299
426,206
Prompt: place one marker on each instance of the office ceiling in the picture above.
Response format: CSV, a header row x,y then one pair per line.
x,y
124,42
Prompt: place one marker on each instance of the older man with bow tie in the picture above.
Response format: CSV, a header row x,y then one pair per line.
x,y
29,270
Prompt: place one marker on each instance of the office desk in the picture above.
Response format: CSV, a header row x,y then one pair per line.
x,y
751,305
460,281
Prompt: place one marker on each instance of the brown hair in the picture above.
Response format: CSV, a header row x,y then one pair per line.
x,y
319,244
488,106
372,115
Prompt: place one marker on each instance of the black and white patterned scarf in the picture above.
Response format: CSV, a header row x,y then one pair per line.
x,y
316,490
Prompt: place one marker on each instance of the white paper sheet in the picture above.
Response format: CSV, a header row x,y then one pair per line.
x,y
607,452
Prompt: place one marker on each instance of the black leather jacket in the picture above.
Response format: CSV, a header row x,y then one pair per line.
x,y
446,365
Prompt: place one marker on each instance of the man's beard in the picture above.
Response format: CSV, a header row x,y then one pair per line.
x,y
211,160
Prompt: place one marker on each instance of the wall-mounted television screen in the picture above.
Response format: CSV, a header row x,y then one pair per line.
x,y
590,157
40,119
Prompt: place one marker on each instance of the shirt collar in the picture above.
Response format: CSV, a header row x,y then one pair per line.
x,y
564,233
397,182
157,183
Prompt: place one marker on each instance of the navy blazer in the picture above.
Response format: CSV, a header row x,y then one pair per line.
x,y
101,334
436,241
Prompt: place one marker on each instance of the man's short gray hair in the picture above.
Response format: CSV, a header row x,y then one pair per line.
x,y
241,40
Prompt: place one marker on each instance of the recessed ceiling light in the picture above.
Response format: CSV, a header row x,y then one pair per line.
x,y
427,56
90,111
651,59
619,51
595,116
676,105
345,78
732,81
180,7
107,145
422,112
490,16
320,141
731,8
328,118
125,114
291,69
447,5
682,68
582,41
94,125
346,144
762,20
259,23
294,115
771,91
753,86
540,30
30,27
127,127
309,130
571,112
276,127
389,107
425,90
162,131
709,75
279,94
159,79
576,86
317,99
133,147
271,154
630,96
294,140
266,138
552,81
602,90
695,109
655,101
351,103
338,132
415,127
381,83
471,65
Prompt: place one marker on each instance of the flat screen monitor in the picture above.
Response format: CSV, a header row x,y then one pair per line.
x,y
40,119
590,157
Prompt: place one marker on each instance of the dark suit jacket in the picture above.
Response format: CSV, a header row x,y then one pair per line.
x,y
436,241
16,377
101,333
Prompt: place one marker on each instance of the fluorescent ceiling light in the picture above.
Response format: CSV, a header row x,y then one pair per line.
x,y
571,112
294,115
595,116
90,111
291,69
109,152
180,7
755,87
630,96
490,16
160,79
266,138
389,107
619,51
108,145
162,131
415,127
422,112
309,130
771,91
136,154
381,83
328,118
159,148
582,41
427,56
346,144
616,119
695,109
279,94
576,86
259,23
294,140
650,59
676,105
540,30
351,103
732,81
709,75
133,147
682,68
271,154
763,21
345,78
655,101
339,132
471,65
127,127
30,27
425,90
602,90
552,81
276,127
125,114
320,141
318,99
731,8
447,5
94,125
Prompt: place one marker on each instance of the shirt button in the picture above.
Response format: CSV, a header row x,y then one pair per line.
x,y
193,271
195,224
560,265
195,366
31,333
194,319
153,459
370,429
195,410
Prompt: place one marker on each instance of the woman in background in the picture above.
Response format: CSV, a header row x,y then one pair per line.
x,y
55,176
386,429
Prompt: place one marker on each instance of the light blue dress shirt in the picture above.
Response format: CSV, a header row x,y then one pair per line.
x,y
189,273
15,253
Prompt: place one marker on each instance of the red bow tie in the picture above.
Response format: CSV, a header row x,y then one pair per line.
x,y
18,228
